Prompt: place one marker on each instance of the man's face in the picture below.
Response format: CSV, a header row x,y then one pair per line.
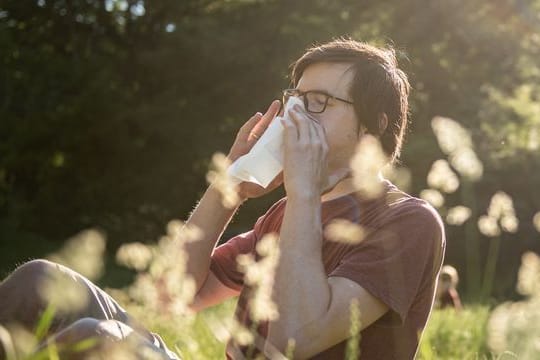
x,y
339,119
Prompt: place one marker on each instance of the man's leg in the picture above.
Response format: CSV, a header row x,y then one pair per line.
x,y
23,302
106,339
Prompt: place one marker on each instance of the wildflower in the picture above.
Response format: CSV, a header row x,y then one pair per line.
x,y
513,326
536,221
500,204
442,177
83,253
432,196
366,165
218,177
344,231
166,288
260,276
353,350
455,141
467,164
400,176
488,226
241,335
136,256
23,340
7,343
509,223
183,233
451,136
500,211
63,294
458,215
529,275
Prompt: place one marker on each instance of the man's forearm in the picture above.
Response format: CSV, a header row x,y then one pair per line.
x,y
301,290
212,218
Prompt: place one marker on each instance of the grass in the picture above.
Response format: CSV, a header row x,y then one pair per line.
x,y
456,335
449,335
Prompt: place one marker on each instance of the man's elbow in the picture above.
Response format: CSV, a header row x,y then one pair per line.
x,y
291,343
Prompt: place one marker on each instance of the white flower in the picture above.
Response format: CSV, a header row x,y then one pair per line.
x,y
488,226
136,256
83,253
465,161
529,275
509,223
345,231
458,215
442,177
501,204
366,165
450,134
400,176
432,196
536,221
219,178
259,275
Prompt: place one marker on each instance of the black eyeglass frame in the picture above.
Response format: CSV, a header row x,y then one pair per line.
x,y
298,93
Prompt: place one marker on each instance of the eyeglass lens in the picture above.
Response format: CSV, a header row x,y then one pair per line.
x,y
314,102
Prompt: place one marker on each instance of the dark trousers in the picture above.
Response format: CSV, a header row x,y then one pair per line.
x,y
101,318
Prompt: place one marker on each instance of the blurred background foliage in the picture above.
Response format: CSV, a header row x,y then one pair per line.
x,y
110,110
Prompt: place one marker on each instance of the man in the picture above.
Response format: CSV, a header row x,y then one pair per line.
x,y
349,89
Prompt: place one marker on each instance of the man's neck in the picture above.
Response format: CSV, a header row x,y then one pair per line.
x,y
343,187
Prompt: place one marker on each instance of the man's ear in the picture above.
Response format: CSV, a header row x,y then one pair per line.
x,y
383,123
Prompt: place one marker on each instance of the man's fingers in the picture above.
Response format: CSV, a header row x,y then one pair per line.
x,y
290,131
245,130
302,126
266,119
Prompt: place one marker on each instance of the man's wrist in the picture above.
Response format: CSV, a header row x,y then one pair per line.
x,y
304,197
217,194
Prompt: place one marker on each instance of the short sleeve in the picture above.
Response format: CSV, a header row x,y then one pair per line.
x,y
398,259
223,263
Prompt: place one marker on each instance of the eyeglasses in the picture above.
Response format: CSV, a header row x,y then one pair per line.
x,y
315,101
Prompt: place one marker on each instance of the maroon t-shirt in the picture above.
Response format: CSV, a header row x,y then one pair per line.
x,y
398,263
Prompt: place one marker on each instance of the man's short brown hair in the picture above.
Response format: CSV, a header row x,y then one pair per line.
x,y
378,86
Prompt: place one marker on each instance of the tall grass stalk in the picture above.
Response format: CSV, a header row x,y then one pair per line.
x,y
353,347
491,266
472,248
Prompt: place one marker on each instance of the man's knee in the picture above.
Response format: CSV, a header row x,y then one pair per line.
x,y
32,271
24,281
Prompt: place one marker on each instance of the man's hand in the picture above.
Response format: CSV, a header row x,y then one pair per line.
x,y
306,150
246,138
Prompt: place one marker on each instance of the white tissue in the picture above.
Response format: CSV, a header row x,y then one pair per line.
x,y
265,160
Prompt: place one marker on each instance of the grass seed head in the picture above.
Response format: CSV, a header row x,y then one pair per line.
x,y
83,253
135,256
217,176
536,221
259,275
458,215
432,196
451,136
488,226
344,231
366,166
442,177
